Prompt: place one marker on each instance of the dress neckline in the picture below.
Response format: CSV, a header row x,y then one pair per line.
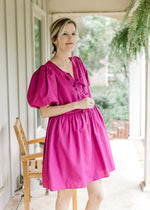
x,y
65,72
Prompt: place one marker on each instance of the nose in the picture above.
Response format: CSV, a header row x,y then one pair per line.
x,y
69,36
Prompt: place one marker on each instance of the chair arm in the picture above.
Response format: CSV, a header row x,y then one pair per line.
x,y
31,156
36,140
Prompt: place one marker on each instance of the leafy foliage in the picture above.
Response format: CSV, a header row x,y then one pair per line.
x,y
94,40
103,102
131,38
112,102
93,47
119,43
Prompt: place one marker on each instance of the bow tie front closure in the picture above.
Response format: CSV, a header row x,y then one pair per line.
x,y
79,81
75,82
80,85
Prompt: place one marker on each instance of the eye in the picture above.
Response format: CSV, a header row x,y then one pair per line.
x,y
72,34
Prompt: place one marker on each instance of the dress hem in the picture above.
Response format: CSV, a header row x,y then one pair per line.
x,y
72,186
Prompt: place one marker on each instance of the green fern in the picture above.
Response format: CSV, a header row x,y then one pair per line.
x,y
119,43
131,6
131,39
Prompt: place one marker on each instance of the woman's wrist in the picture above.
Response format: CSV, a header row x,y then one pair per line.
x,y
76,105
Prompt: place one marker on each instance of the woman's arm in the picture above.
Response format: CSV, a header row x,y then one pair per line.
x,y
51,111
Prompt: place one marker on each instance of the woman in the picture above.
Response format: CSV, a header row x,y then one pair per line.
x,y
77,151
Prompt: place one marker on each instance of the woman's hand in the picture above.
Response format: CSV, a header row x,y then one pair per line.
x,y
52,111
86,103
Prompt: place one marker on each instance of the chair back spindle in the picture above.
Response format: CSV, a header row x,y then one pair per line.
x,y
24,148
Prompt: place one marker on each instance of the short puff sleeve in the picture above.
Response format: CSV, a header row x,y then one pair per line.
x,y
42,89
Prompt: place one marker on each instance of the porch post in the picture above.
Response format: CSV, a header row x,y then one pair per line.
x,y
145,185
137,98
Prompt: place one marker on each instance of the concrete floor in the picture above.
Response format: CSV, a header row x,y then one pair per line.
x,y
122,189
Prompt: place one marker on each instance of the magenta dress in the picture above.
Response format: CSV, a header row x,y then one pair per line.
x,y
77,149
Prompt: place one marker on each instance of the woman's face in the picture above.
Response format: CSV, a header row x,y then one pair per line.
x,y
68,39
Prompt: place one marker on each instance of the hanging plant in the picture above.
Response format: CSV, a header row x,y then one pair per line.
x,y
131,39
119,43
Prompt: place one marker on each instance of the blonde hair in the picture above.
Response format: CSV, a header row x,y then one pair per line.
x,y
57,28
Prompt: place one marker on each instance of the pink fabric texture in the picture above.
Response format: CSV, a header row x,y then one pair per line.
x,y
77,149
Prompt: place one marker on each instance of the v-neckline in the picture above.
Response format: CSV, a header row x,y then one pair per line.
x,y
66,71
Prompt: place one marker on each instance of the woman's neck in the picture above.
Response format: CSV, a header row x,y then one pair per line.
x,y
61,59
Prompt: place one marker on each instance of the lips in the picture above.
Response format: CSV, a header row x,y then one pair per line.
x,y
70,43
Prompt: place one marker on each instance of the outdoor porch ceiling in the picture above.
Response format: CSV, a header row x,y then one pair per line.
x,y
85,6
112,8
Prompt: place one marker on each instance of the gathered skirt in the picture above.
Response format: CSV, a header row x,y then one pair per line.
x,y
77,150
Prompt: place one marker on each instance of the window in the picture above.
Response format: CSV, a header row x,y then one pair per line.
x,y
38,57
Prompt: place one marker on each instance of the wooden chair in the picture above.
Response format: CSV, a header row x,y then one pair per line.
x,y
32,163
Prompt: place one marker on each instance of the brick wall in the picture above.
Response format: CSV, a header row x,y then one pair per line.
x,y
119,129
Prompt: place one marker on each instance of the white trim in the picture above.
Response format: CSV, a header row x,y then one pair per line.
x,y
33,61
147,122
50,20
87,13
40,14
48,31
8,98
120,15
44,5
